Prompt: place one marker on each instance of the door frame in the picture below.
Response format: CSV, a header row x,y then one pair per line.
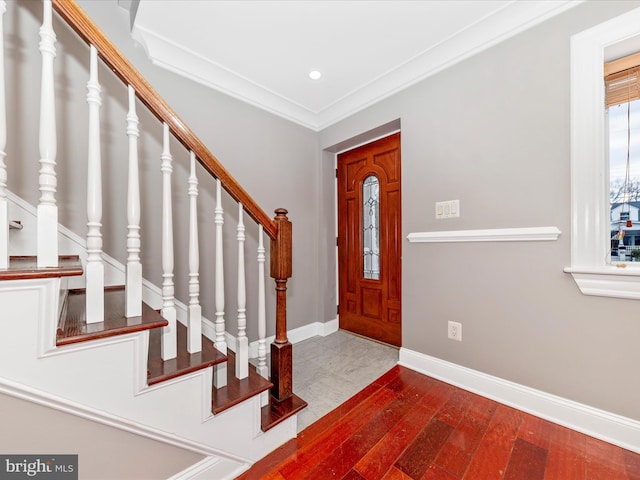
x,y
346,146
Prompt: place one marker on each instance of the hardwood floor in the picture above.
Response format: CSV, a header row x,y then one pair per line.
x,y
409,426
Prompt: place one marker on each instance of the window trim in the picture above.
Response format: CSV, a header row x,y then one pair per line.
x,y
590,221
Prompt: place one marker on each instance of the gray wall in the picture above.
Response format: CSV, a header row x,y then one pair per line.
x,y
103,452
493,132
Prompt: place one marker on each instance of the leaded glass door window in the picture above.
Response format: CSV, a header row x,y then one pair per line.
x,y
371,227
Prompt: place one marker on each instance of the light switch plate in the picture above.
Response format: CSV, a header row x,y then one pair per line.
x,y
448,209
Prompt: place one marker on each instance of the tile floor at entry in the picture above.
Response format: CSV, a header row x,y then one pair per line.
x,y
329,370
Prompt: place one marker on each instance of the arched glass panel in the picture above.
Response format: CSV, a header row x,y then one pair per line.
x,y
371,227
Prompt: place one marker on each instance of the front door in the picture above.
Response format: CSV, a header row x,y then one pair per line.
x,y
369,243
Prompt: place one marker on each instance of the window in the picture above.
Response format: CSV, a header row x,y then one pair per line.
x,y
622,99
590,223
371,227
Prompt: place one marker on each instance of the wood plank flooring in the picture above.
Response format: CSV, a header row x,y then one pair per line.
x,y
407,426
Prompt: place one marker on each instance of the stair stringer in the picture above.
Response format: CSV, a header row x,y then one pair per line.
x,y
109,375
213,462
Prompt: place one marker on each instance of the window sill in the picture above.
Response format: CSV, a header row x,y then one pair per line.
x,y
608,280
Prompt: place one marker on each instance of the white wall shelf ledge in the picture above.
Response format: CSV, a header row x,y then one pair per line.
x,y
608,280
526,234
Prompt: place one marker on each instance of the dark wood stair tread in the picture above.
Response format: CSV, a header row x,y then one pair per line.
x,y
21,268
237,390
185,362
74,328
276,412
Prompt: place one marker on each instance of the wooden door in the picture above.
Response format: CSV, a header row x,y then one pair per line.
x,y
369,243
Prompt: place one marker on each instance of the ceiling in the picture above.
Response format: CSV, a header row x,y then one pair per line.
x,y
261,51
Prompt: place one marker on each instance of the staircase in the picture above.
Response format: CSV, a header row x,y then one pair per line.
x,y
85,333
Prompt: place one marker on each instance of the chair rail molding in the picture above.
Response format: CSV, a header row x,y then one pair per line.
x,y
525,234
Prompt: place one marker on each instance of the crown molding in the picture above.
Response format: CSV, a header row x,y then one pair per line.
x,y
512,19
176,58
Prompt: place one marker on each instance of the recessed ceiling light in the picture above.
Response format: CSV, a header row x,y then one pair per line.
x,y
314,75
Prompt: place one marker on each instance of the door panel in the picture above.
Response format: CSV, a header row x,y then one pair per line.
x,y
370,301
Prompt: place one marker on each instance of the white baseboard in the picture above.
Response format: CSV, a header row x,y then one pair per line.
x,y
328,328
295,335
607,426
313,329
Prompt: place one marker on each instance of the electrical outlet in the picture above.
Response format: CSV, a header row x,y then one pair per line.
x,y
455,331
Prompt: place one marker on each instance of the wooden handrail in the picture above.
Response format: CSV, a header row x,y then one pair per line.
x,y
80,22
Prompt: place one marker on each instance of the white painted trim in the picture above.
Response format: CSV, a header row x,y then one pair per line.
x,y
171,56
46,399
590,227
607,426
526,234
196,469
328,328
608,281
204,470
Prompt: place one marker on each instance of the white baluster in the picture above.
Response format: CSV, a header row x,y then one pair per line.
x,y
262,368
4,207
220,372
133,285
95,268
169,348
242,343
47,211
194,340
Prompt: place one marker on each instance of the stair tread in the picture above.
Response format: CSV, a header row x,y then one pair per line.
x,y
236,390
185,362
276,412
74,328
25,267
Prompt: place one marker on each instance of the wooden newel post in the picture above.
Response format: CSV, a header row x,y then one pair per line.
x,y
281,349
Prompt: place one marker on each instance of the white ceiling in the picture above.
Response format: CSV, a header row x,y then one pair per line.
x,y
261,51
